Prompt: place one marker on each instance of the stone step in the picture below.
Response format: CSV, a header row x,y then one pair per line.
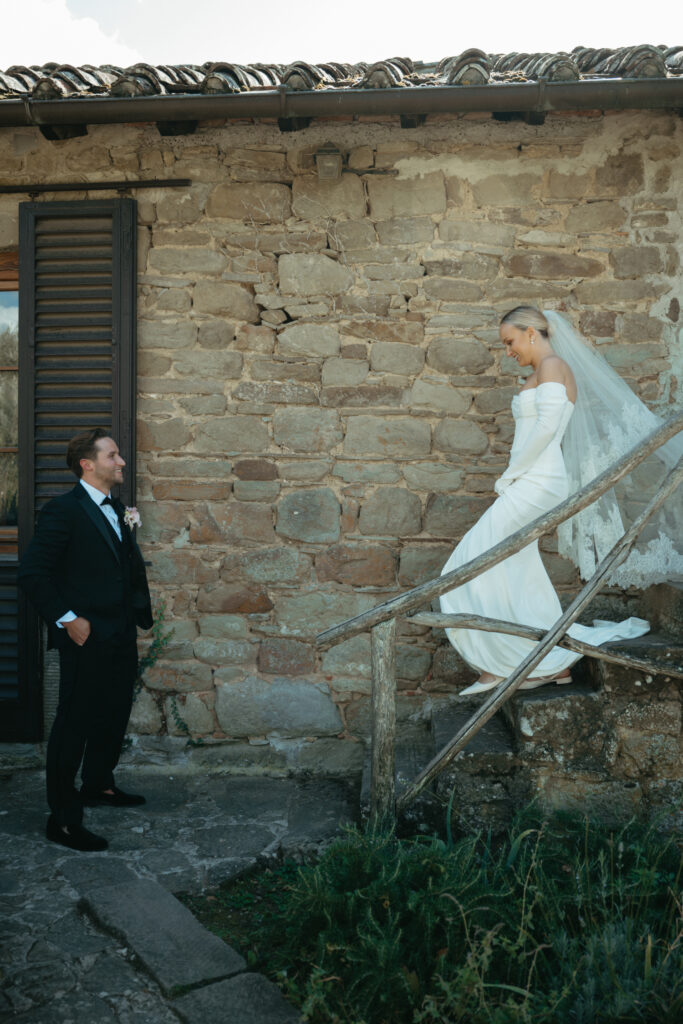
x,y
662,606
481,786
600,722
665,649
164,935
562,724
489,752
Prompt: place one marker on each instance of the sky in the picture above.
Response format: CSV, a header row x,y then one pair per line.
x,y
9,313
124,32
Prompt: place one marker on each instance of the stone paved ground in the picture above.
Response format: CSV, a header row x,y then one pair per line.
x,y
99,938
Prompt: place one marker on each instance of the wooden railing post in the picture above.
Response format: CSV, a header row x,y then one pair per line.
x,y
382,793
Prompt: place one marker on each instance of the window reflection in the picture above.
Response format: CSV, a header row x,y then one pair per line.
x,y
9,407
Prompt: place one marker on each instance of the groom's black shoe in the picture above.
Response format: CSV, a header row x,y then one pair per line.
x,y
76,837
117,798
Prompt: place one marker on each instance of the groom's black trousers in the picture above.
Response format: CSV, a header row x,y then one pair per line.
x,y
95,699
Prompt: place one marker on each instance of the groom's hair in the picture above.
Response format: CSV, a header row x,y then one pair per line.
x,y
84,446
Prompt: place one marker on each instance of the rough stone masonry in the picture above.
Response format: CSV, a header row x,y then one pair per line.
x,y
323,401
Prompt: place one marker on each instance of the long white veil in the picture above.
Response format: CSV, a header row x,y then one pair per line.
x,y
608,420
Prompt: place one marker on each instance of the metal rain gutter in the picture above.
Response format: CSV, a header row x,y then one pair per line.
x,y
541,97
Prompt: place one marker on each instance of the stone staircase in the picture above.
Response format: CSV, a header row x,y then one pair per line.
x,y
608,744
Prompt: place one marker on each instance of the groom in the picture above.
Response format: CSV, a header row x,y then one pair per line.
x,y
84,573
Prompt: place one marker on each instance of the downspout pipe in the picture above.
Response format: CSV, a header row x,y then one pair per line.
x,y
541,97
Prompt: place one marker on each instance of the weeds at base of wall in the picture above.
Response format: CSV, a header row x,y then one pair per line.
x,y
561,922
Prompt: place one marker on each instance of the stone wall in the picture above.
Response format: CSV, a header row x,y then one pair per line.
x,y
323,400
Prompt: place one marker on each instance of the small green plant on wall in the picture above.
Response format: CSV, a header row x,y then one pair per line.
x,y
180,723
160,641
161,637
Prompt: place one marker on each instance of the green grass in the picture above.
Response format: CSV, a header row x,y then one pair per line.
x,y
562,921
245,912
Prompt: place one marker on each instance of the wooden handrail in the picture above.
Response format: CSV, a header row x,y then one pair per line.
x,y
412,599
508,686
462,621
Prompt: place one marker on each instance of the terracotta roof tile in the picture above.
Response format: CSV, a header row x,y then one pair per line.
x,y
472,67
627,62
469,68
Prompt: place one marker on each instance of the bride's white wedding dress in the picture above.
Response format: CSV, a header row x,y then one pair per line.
x,y
519,589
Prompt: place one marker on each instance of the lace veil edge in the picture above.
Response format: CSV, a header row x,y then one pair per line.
x,y
608,420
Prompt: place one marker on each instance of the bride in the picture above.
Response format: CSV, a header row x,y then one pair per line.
x,y
568,382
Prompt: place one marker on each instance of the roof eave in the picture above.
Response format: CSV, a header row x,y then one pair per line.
x,y
541,97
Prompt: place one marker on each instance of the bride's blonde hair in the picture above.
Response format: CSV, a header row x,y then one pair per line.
x,y
527,316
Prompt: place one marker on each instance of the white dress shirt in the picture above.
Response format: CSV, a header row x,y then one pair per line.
x,y
107,510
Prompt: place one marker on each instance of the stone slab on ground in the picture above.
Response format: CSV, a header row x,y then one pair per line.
x,y
166,937
317,818
196,829
19,755
247,798
95,872
74,935
251,999
83,1007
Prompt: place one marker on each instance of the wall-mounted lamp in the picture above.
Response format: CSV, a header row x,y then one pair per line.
x,y
328,160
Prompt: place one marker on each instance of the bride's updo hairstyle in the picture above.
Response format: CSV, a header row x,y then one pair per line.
x,y
527,316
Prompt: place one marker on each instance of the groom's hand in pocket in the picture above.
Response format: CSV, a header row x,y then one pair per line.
x,y
78,630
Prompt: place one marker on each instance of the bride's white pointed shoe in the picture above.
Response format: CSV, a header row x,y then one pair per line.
x,y
478,687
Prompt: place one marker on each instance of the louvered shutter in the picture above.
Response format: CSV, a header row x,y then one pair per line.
x,y
9,662
76,336
76,370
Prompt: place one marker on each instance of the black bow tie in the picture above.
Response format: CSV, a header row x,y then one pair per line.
x,y
107,501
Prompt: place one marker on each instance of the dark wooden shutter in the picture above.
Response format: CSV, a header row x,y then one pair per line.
x,y
76,337
76,370
9,662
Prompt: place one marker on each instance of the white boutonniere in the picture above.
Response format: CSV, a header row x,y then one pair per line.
x,y
131,517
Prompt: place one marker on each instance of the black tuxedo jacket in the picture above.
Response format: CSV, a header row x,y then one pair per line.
x,y
75,563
